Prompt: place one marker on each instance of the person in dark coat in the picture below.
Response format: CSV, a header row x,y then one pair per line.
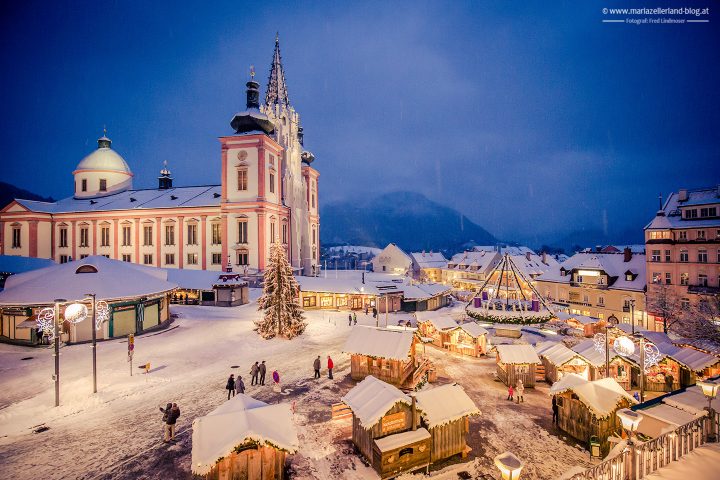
x,y
349,319
254,373
171,412
330,367
555,410
316,367
375,312
239,385
262,369
230,387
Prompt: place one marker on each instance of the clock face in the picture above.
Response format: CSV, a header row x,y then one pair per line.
x,y
242,155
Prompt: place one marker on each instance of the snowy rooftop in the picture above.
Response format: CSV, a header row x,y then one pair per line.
x,y
613,264
16,264
439,321
600,396
700,464
694,360
201,196
236,422
671,210
194,279
691,400
398,440
557,354
481,261
585,320
586,349
379,342
445,404
517,354
429,259
350,283
473,329
111,280
354,249
371,399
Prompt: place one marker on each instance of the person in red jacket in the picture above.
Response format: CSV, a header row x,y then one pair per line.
x,y
330,367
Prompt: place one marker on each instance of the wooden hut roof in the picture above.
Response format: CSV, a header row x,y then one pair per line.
x,y
238,421
445,404
473,329
556,353
380,342
601,397
370,399
694,360
587,350
391,442
517,354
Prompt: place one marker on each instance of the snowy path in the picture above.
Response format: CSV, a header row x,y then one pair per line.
x,y
116,434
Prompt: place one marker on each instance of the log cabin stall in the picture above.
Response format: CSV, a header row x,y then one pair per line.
x,y
681,364
388,354
589,326
620,367
469,338
135,299
243,439
559,360
445,412
586,408
435,328
516,362
386,428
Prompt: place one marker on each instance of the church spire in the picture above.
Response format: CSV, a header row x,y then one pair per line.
x,y
276,89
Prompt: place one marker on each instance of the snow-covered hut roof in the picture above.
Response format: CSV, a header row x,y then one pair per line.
x,y
440,322
371,399
17,264
429,259
694,360
240,420
445,404
584,319
379,342
397,440
423,291
586,349
193,279
108,279
517,354
691,400
473,329
600,396
557,354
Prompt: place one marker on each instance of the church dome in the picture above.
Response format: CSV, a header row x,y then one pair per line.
x,y
104,158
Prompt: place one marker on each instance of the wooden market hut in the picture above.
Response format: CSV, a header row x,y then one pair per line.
x,y
586,408
620,367
446,412
468,339
589,326
243,439
516,362
386,353
436,329
386,428
559,360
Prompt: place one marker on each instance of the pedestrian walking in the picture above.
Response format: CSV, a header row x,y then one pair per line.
x,y
316,367
262,369
520,390
555,410
230,387
239,385
330,367
510,392
354,318
366,310
171,412
276,381
375,312
254,373
349,319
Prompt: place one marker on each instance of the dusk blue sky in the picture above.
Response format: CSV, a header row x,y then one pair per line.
x,y
532,118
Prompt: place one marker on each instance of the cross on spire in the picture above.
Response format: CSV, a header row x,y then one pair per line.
x,y
276,91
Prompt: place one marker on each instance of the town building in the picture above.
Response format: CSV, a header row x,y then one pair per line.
x,y
268,192
683,247
392,259
428,266
606,286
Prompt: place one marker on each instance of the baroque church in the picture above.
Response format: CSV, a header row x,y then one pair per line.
x,y
268,193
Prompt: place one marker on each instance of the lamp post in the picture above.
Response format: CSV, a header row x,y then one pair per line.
x,y
632,314
509,465
630,421
710,391
57,302
94,339
641,340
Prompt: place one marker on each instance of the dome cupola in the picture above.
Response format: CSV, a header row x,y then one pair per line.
x,y
102,173
252,120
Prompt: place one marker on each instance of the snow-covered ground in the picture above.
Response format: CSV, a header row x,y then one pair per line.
x,y
117,433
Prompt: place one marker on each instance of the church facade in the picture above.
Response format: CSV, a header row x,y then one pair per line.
x,y
268,193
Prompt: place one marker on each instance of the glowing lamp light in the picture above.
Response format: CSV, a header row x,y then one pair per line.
x,y
630,419
709,389
509,465
76,312
624,346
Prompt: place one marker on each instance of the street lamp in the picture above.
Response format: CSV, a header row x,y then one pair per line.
x,y
641,341
56,332
509,465
710,390
94,338
632,314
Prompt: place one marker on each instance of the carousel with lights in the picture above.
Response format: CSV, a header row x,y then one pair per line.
x,y
508,296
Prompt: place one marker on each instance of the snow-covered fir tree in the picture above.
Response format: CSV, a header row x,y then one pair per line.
x,y
283,316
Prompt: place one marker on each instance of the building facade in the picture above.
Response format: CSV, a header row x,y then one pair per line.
x,y
268,192
683,246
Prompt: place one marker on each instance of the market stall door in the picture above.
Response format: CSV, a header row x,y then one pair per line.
x,y
357,303
123,323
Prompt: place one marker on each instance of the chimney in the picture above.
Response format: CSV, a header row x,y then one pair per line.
x,y
414,412
627,254
683,195
544,257
527,255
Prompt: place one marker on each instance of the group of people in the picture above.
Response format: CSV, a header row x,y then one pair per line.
x,y
171,413
516,392
352,319
317,364
235,385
